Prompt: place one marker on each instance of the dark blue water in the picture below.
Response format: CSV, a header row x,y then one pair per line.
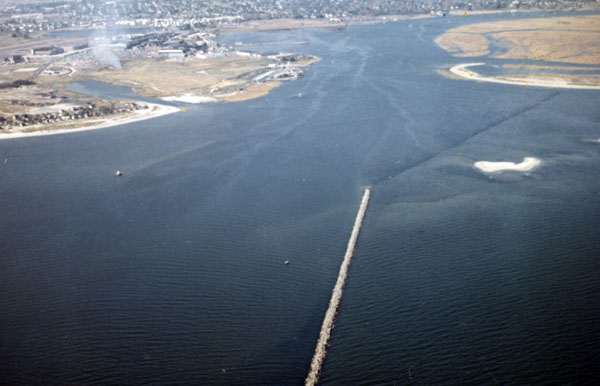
x,y
174,273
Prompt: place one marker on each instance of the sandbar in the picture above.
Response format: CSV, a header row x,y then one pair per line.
x,y
462,71
153,111
490,167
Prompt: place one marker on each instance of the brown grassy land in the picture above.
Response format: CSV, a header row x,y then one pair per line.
x,y
225,78
254,91
22,99
159,78
580,47
463,43
561,39
573,39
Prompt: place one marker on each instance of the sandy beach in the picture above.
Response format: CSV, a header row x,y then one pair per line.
x,y
490,167
462,71
189,98
153,111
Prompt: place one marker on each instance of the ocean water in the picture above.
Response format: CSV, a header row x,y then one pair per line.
x,y
174,273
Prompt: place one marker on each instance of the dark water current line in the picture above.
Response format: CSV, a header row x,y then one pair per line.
x,y
336,296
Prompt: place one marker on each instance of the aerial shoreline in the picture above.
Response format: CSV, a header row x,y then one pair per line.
x,y
228,78
216,84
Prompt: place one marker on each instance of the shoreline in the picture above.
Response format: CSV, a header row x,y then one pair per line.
x,y
154,111
461,71
526,165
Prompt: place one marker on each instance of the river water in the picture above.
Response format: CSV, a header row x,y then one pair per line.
x,y
174,273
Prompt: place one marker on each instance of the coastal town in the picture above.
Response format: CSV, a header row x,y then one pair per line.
x,y
69,114
23,18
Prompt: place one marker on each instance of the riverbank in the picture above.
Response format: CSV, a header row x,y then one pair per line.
x,y
153,111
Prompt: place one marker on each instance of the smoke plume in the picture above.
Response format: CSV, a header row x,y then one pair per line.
x,y
102,51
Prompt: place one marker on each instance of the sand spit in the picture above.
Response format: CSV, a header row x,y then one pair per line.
x,y
490,167
153,111
462,71
189,98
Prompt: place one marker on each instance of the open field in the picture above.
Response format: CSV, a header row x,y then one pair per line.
x,y
20,100
579,47
161,78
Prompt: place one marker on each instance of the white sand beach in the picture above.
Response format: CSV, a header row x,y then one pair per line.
x,y
153,111
189,98
462,71
490,167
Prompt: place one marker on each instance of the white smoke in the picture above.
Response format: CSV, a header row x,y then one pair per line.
x,y
101,49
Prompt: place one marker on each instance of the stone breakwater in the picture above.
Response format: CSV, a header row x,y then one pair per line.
x,y
336,296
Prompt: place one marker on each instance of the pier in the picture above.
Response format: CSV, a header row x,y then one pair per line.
x,y
336,296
